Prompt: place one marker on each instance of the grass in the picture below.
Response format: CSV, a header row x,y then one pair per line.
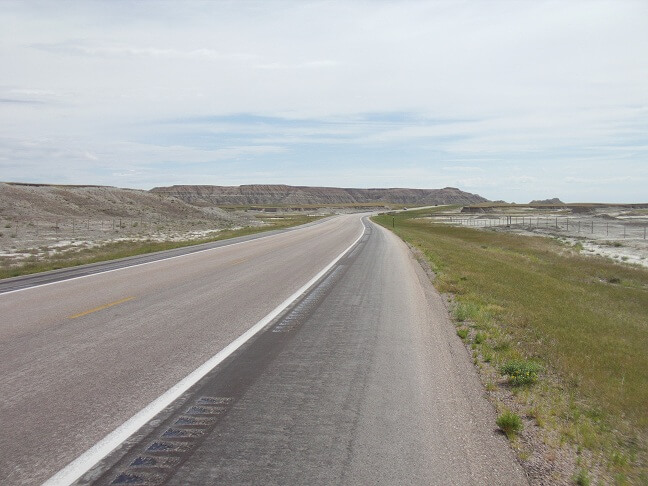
x,y
583,318
122,249
510,423
520,372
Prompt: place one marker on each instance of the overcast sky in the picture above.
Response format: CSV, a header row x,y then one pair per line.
x,y
512,100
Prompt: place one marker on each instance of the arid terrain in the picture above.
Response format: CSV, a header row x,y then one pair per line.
x,y
299,195
618,232
40,220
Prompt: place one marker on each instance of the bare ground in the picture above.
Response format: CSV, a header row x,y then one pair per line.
x,y
618,234
39,221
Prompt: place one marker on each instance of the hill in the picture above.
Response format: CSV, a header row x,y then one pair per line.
x,y
44,202
266,194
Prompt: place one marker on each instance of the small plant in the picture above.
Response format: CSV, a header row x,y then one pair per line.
x,y
502,345
462,333
479,338
582,478
465,311
521,372
510,423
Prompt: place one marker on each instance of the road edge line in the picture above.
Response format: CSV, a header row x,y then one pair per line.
x,y
86,461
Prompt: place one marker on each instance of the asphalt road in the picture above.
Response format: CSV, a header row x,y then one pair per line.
x,y
362,381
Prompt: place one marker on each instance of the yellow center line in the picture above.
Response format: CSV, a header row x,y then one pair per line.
x,y
81,314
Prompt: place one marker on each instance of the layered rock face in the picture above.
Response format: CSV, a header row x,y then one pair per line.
x,y
302,195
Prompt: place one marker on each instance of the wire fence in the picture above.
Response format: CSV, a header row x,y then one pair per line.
x,y
570,225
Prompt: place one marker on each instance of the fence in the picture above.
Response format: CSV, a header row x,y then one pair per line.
x,y
573,226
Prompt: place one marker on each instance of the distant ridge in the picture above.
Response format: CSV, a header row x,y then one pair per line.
x,y
295,195
554,200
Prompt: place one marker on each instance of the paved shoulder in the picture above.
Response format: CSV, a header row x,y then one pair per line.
x,y
362,382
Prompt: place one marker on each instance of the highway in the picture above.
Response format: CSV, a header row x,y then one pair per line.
x,y
360,380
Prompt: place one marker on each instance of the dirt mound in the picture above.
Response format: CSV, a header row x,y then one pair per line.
x,y
296,195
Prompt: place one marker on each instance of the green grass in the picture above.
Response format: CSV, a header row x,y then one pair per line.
x,y
521,372
584,318
510,423
122,249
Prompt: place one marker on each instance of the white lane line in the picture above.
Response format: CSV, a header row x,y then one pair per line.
x,y
139,264
101,449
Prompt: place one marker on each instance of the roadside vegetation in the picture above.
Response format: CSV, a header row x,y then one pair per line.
x,y
126,248
560,340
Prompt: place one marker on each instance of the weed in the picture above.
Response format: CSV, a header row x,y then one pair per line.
x,y
479,338
521,372
462,333
502,345
582,478
465,311
510,423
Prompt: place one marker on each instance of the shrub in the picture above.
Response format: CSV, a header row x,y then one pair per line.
x,y
521,372
510,423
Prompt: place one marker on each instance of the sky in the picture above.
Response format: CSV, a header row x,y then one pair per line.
x,y
513,100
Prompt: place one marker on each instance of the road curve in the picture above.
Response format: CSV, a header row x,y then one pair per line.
x,y
361,381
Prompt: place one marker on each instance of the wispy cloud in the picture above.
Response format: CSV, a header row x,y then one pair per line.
x,y
509,99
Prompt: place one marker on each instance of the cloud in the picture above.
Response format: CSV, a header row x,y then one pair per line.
x,y
447,93
117,51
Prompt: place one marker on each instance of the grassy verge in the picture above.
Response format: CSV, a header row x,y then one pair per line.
x,y
122,249
564,335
